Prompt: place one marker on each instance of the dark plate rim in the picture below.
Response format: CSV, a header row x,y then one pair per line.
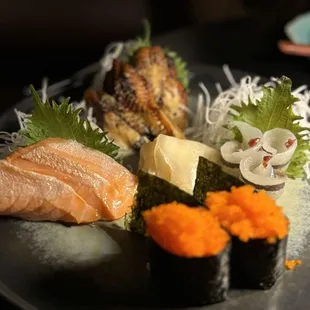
x,y
14,298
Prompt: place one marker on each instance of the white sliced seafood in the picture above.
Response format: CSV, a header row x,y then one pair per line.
x,y
233,151
265,168
249,134
257,171
175,160
281,143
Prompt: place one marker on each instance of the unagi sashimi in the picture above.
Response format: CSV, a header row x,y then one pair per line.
x,y
33,196
103,183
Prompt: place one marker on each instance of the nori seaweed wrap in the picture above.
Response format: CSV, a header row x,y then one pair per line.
x,y
210,177
259,231
257,264
189,256
153,191
189,282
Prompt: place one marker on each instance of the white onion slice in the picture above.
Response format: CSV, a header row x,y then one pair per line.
x,y
273,184
281,143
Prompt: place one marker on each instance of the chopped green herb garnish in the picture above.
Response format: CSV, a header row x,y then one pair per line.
x,y
50,120
274,110
153,191
210,177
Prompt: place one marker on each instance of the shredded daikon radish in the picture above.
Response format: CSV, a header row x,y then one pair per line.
x,y
218,87
44,89
211,129
229,75
22,118
112,52
11,141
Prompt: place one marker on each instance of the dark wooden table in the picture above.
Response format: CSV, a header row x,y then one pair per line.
x,y
237,43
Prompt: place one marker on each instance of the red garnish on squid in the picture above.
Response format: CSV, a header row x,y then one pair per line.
x,y
266,159
289,143
253,142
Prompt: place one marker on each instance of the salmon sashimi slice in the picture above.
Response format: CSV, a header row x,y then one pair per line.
x,y
33,196
102,182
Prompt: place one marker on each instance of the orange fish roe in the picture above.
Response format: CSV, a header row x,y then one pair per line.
x,y
185,231
247,214
291,264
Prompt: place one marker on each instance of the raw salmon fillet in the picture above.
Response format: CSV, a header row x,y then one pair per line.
x,y
103,183
32,196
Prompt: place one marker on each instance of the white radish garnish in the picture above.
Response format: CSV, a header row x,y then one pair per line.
x,y
233,151
281,143
257,171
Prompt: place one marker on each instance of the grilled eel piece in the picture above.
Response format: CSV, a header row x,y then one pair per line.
x,y
160,74
130,112
134,97
110,120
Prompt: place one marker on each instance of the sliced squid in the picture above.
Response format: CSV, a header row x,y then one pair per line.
x,y
281,143
257,171
233,151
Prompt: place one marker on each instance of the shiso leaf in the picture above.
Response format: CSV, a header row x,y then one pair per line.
x,y
274,110
181,68
153,191
50,120
210,177
296,167
145,41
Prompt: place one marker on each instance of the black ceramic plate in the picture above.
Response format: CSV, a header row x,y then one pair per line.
x,y
50,266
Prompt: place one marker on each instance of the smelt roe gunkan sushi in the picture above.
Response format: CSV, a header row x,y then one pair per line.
x,y
189,255
259,231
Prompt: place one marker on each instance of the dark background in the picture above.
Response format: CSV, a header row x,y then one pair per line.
x,y
56,38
